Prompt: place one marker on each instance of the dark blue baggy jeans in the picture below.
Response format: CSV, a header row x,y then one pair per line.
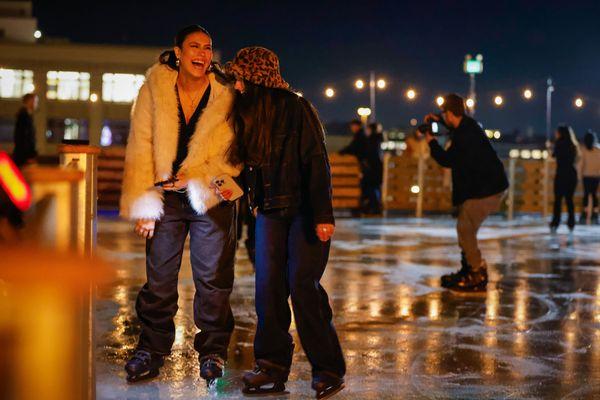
x,y
290,261
212,248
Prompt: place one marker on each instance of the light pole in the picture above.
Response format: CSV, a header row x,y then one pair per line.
x,y
549,90
374,84
473,66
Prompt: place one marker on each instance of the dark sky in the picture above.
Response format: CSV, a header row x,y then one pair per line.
x,y
410,43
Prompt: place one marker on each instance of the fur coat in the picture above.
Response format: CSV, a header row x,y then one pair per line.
x,y
152,146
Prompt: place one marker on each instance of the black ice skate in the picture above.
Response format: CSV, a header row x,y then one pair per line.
x,y
143,365
266,378
211,369
326,384
450,279
472,282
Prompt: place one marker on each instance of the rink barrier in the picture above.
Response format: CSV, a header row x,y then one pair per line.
x,y
345,173
410,184
85,158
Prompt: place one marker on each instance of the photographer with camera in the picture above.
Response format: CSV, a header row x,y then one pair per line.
x,y
478,181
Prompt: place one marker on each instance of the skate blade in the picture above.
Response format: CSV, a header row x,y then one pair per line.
x,y
147,376
270,392
327,395
469,293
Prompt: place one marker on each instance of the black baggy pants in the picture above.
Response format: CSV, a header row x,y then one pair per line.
x,y
212,248
290,261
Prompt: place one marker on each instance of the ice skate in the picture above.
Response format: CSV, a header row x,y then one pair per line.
x,y
143,366
211,369
267,378
326,385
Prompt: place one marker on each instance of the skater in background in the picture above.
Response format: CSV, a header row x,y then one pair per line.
x,y
590,172
24,135
358,148
373,175
177,144
280,140
566,151
478,186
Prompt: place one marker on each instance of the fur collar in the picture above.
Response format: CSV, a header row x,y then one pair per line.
x,y
213,130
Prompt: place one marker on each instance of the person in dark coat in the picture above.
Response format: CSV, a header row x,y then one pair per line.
x,y
281,142
357,147
566,152
24,134
478,185
373,174
365,148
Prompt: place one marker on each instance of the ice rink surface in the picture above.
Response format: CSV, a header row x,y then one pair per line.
x,y
535,334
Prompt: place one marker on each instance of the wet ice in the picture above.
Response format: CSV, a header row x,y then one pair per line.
x,y
534,334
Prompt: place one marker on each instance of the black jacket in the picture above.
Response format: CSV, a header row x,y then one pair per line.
x,y
477,172
357,147
297,177
565,154
24,137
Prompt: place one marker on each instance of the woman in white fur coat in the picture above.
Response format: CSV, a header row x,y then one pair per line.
x,y
180,133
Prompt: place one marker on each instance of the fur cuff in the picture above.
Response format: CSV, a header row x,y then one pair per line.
x,y
202,197
148,206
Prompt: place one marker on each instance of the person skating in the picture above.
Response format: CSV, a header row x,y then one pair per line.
x,y
478,186
374,170
281,142
358,147
566,152
179,138
590,173
25,151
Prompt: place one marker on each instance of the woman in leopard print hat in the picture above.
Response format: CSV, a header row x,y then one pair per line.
x,y
281,141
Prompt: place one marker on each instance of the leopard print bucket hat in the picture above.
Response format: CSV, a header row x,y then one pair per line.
x,y
257,65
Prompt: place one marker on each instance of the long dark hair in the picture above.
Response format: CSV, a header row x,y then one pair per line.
x,y
256,115
590,139
168,57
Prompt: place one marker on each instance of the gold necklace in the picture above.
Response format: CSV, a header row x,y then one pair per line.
x,y
193,100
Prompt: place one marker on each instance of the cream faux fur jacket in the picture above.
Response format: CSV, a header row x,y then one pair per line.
x,y
152,146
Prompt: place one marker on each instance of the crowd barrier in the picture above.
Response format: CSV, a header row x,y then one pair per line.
x,y
411,184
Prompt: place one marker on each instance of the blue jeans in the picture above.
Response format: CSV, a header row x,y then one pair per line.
x,y
290,261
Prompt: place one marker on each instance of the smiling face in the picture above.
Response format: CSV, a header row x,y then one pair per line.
x,y
195,55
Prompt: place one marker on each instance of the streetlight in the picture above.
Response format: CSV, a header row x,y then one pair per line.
x,y
579,102
373,86
498,100
470,103
329,92
411,94
439,101
527,94
364,113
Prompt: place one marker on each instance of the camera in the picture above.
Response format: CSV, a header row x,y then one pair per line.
x,y
432,127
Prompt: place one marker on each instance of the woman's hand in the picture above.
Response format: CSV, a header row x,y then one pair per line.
x,y
181,182
145,228
325,231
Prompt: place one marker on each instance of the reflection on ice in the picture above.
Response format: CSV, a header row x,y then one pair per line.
x,y
534,334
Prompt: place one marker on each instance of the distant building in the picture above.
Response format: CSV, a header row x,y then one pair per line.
x,y
85,90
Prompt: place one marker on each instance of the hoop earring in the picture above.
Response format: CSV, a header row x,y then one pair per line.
x,y
177,62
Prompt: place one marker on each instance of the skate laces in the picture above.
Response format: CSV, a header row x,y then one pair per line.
x,y
143,356
214,361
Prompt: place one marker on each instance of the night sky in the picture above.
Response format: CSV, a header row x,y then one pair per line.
x,y
418,43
